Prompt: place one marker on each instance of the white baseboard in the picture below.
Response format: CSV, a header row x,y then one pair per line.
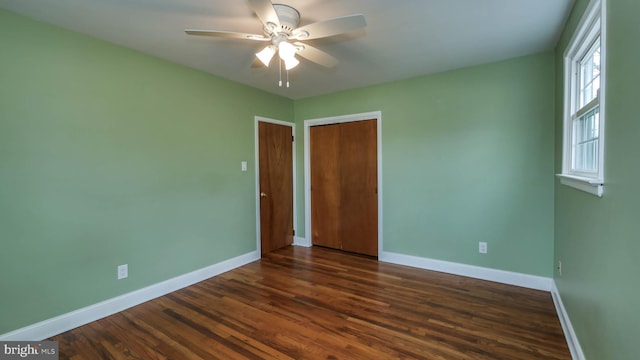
x,y
59,324
567,328
477,272
301,241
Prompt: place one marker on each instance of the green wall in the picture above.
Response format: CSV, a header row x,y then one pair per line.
x,y
597,238
467,156
109,156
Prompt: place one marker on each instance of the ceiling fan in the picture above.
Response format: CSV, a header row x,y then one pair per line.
x,y
280,24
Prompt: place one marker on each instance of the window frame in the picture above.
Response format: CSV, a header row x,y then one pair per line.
x,y
592,28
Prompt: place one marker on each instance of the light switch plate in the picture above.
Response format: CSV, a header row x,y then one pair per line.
x,y
243,166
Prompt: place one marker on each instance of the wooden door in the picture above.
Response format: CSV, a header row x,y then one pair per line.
x,y
344,180
359,187
324,154
276,185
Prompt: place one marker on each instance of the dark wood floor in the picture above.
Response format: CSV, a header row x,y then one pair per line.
x,y
300,303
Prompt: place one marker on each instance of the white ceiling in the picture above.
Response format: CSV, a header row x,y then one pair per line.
x,y
403,38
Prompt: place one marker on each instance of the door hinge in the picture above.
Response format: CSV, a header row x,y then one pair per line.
x,y
294,232
293,138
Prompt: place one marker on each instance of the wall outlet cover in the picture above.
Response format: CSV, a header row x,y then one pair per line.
x,y
123,271
559,267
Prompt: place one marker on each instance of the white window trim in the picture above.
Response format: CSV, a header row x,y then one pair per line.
x,y
594,19
592,186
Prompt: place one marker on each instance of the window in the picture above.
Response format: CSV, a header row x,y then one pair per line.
x,y
583,142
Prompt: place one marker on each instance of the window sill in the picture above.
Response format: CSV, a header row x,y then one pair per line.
x,y
592,186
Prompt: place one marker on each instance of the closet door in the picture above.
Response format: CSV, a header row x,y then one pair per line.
x,y
325,185
344,200
358,187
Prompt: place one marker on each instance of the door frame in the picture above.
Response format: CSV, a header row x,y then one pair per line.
x,y
257,120
375,115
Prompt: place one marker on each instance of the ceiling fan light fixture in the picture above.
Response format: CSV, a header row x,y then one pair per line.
x,y
290,63
286,50
266,54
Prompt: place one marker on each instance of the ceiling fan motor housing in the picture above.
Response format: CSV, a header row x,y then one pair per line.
x,y
289,18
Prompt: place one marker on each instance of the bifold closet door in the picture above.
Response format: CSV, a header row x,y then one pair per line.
x,y
344,199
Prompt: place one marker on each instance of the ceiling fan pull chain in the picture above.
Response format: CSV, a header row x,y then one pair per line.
x,y
287,78
280,71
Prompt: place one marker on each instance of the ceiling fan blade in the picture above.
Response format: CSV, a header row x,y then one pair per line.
x,y
265,11
317,56
227,34
257,64
330,27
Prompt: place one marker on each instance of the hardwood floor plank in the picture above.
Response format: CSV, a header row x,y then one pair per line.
x,y
315,303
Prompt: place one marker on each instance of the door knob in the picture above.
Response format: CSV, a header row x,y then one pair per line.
x,y
262,194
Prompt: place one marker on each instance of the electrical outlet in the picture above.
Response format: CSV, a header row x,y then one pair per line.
x,y
559,267
123,271
482,247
